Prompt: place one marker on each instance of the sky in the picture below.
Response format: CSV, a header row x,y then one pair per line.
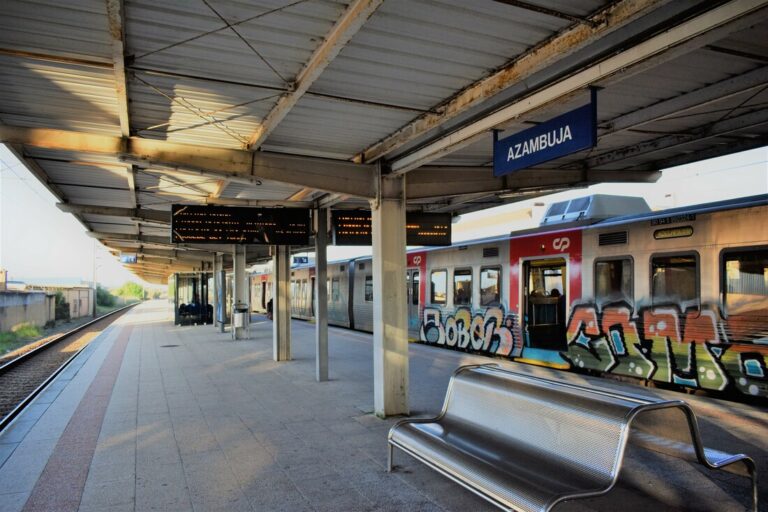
x,y
39,242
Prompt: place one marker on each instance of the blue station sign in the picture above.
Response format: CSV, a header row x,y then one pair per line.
x,y
565,134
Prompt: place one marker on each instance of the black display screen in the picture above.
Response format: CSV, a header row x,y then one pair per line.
x,y
353,227
203,224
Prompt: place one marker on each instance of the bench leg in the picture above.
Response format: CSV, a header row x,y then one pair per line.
x,y
390,449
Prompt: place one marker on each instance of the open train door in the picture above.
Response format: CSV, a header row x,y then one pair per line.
x,y
544,301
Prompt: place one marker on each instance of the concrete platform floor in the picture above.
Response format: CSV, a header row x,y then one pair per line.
x,y
157,417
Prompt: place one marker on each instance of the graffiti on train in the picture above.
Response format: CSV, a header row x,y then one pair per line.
x,y
696,348
491,331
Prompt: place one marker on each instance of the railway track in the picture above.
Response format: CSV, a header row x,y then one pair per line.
x,y
24,377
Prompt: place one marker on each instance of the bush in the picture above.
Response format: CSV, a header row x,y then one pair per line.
x,y
62,307
25,331
104,298
130,290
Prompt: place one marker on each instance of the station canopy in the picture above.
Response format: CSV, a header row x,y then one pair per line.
x,y
125,107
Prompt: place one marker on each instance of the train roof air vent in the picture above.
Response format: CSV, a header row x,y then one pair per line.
x,y
592,209
615,238
490,252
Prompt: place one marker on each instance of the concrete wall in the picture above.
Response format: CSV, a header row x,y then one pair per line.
x,y
36,308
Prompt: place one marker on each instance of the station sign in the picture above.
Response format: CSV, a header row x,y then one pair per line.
x,y
205,224
565,134
128,258
353,227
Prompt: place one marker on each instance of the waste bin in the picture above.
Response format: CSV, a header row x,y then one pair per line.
x,y
241,319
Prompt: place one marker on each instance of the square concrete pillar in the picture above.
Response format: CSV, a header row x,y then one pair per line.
x,y
390,313
321,294
281,303
239,288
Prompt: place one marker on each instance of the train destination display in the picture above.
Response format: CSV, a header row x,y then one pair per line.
x,y
202,224
353,227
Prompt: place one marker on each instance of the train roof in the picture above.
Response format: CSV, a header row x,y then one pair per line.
x,y
729,204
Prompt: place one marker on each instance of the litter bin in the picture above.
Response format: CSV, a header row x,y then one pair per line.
x,y
241,320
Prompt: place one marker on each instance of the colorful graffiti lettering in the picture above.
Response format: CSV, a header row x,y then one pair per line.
x,y
663,343
689,348
491,331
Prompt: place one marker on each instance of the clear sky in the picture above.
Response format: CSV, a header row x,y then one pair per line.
x,y
38,241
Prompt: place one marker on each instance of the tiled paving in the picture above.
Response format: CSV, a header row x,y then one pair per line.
x,y
198,422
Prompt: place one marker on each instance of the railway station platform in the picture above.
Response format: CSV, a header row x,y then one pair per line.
x,y
153,416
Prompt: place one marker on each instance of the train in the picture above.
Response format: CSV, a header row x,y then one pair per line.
x,y
676,298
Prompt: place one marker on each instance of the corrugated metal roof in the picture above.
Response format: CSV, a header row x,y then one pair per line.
x,y
209,74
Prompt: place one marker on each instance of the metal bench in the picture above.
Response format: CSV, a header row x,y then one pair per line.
x,y
527,443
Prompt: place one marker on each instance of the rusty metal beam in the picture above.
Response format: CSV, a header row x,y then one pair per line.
x,y
115,19
678,40
538,58
333,176
161,217
345,28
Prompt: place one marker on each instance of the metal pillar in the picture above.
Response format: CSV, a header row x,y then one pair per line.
x,y
281,303
239,288
216,286
390,313
321,294
221,297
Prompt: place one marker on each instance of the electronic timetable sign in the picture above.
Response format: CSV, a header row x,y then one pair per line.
x,y
353,227
203,224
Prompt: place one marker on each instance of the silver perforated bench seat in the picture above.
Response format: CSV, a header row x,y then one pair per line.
x,y
527,443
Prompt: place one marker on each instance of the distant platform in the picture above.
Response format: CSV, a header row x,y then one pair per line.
x,y
153,416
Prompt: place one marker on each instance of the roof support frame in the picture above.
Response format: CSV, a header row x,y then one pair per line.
x,y
343,30
679,40
356,180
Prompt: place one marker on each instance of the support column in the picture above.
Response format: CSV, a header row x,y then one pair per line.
x,y
281,303
216,286
321,294
221,291
390,313
239,287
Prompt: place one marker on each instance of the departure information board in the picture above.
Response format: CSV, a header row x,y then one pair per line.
x,y
202,224
353,227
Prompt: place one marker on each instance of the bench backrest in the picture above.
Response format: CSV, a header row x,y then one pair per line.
x,y
577,426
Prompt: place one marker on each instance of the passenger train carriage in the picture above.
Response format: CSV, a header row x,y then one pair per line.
x,y
678,296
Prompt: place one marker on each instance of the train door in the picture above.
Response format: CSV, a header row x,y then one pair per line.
x,y
544,300
412,280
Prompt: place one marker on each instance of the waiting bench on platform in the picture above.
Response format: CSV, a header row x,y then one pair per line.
x,y
527,443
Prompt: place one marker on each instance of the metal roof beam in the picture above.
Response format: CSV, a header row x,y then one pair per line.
x,y
694,99
538,58
115,18
180,254
144,214
725,127
678,40
334,176
345,28
439,182
158,240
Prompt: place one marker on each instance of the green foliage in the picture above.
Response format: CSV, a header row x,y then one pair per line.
x,y
130,290
104,298
25,331
62,307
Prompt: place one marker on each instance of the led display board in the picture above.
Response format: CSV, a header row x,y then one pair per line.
x,y
353,227
203,224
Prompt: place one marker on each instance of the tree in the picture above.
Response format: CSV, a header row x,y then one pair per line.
x,y
62,307
130,290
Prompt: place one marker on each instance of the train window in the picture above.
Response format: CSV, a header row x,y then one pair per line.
x,y
439,286
462,287
368,288
613,280
745,275
490,286
415,288
674,278
335,289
